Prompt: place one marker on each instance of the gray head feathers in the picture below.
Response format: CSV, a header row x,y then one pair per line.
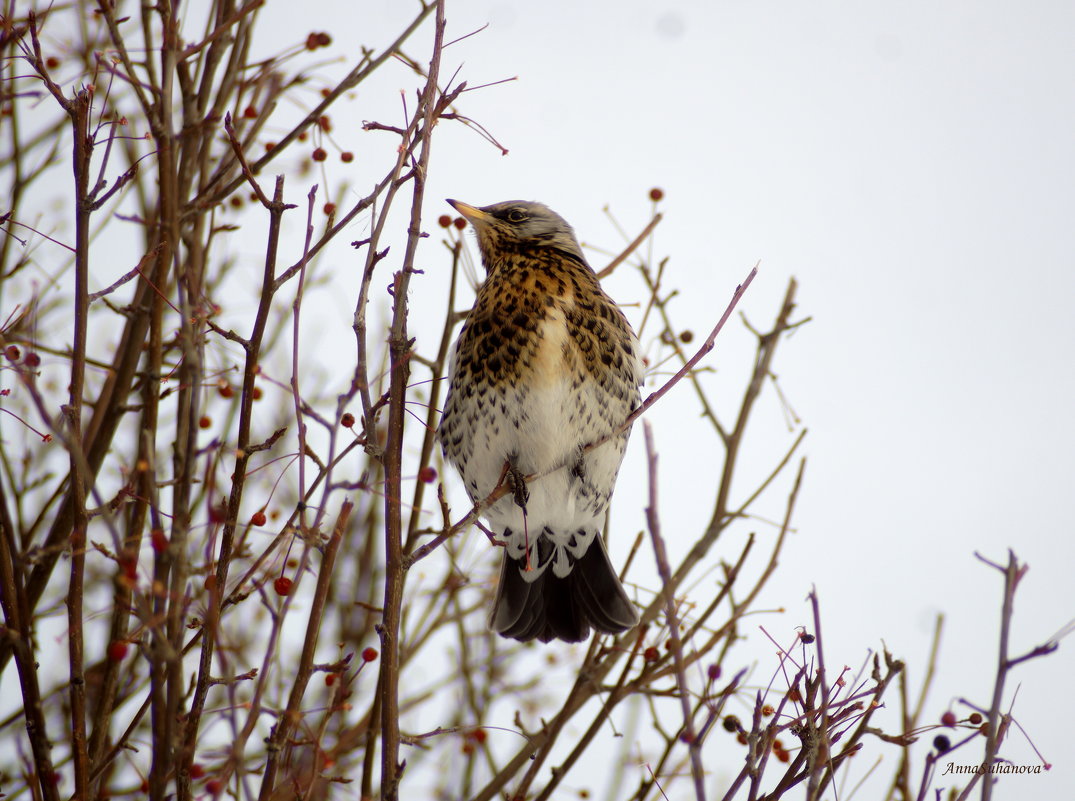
x,y
519,223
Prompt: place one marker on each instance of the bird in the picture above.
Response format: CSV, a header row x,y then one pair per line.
x,y
543,377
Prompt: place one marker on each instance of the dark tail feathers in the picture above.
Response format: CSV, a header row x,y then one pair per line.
x,y
562,608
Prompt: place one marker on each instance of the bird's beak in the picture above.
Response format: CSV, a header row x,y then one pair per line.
x,y
474,215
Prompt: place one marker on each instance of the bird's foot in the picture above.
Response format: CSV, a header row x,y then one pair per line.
x,y
517,482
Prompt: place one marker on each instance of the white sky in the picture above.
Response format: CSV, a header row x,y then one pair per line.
x,y
912,166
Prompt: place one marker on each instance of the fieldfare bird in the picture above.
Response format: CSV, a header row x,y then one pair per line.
x,y
545,365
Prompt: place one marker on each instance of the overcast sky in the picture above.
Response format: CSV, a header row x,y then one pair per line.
x,y
912,166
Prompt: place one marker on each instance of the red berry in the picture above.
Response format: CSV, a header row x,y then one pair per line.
x,y
52,62
269,146
250,112
651,654
217,513
948,719
225,389
283,585
255,393
205,421
32,359
128,560
347,420
117,649
460,223
325,123
656,194
257,519
330,208
444,221
477,735
12,352
196,771
214,786
347,157
330,679
159,540
369,654
975,719
427,475
319,154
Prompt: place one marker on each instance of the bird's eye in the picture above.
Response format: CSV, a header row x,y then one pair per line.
x,y
516,215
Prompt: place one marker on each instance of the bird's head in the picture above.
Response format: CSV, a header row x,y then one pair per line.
x,y
518,224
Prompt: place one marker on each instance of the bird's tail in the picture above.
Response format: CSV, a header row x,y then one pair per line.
x,y
565,608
